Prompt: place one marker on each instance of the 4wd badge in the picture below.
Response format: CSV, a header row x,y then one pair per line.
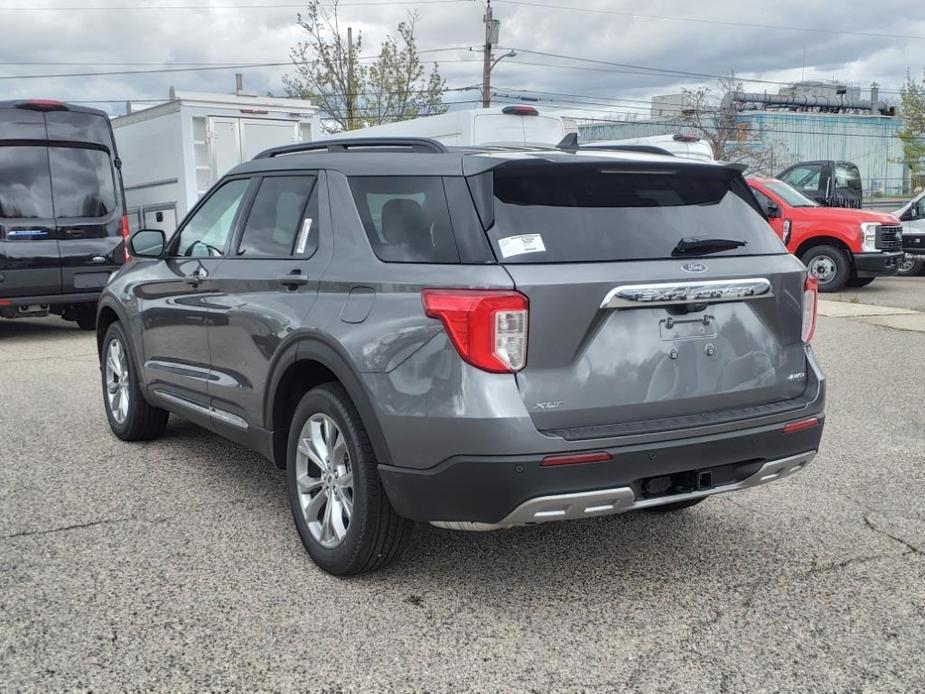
x,y
694,267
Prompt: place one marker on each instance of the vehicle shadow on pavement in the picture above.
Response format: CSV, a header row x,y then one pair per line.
x,y
662,548
44,328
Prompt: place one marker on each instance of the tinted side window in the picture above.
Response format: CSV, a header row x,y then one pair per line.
x,y
806,178
82,181
406,218
25,184
207,231
278,223
847,177
762,199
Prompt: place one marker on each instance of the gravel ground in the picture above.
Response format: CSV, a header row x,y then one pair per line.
x,y
174,565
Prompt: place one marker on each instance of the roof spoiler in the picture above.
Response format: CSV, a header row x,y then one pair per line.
x,y
569,143
363,144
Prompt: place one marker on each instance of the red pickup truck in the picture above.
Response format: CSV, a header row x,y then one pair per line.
x,y
839,246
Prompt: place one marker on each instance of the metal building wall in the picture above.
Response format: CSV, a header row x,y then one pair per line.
x,y
871,142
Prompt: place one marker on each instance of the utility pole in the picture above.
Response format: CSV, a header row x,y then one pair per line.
x,y
349,96
491,33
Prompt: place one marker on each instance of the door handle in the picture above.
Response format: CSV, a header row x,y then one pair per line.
x,y
293,280
74,233
196,277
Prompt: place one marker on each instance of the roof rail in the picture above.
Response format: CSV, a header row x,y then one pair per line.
x,y
382,144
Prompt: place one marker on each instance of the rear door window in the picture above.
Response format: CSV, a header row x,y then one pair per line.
x,y
82,180
25,183
584,213
406,218
280,223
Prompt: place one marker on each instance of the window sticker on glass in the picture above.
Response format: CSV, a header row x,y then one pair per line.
x,y
303,236
518,245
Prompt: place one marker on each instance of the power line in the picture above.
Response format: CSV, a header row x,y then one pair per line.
x,y
722,22
160,71
651,71
223,6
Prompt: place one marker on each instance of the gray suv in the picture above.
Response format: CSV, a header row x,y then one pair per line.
x,y
476,338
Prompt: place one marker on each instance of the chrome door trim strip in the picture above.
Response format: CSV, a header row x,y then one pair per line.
x,y
221,415
705,291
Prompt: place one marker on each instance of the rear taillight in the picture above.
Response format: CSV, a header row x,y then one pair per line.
x,y
810,299
128,256
488,328
788,225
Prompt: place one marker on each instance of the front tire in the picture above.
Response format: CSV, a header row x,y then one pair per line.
x,y
130,417
829,265
909,267
341,511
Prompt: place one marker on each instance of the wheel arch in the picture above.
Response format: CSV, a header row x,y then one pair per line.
x,y
825,240
304,365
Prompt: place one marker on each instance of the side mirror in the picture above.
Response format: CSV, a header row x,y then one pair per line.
x,y
147,243
909,215
773,210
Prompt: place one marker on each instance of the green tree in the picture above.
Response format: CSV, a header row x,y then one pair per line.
x,y
913,134
354,93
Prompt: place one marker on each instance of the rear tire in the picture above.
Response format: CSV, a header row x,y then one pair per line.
x,y
829,265
860,281
909,267
677,506
341,511
130,417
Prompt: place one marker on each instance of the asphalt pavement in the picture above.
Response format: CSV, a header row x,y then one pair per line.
x,y
174,565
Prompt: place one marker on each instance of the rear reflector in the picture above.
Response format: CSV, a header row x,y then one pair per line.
x,y
577,458
810,301
5,302
488,328
520,111
42,105
802,425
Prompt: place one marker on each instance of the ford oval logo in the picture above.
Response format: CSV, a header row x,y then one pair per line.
x,y
694,267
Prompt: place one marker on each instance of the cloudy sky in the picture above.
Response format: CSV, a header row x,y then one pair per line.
x,y
592,57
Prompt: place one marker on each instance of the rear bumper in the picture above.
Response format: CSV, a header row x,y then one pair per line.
x,y
610,501
877,264
511,490
52,299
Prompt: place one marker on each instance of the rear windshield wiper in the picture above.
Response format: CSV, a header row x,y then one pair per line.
x,y
699,244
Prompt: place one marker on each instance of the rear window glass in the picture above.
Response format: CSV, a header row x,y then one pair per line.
x,y
406,218
585,213
82,182
25,186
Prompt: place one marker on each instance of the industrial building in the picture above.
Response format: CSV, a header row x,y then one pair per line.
x,y
805,121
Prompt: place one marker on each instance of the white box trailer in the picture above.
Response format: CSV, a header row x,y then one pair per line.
x,y
172,153
498,125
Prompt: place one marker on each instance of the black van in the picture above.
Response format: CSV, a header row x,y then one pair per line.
x,y
62,209
830,183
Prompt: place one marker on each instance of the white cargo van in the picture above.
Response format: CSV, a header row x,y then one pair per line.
x,y
497,125
172,153
687,146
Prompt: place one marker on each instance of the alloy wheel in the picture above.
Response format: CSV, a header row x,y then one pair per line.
x,y
324,480
117,384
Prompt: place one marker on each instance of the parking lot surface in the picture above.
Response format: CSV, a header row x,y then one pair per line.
x,y
174,565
